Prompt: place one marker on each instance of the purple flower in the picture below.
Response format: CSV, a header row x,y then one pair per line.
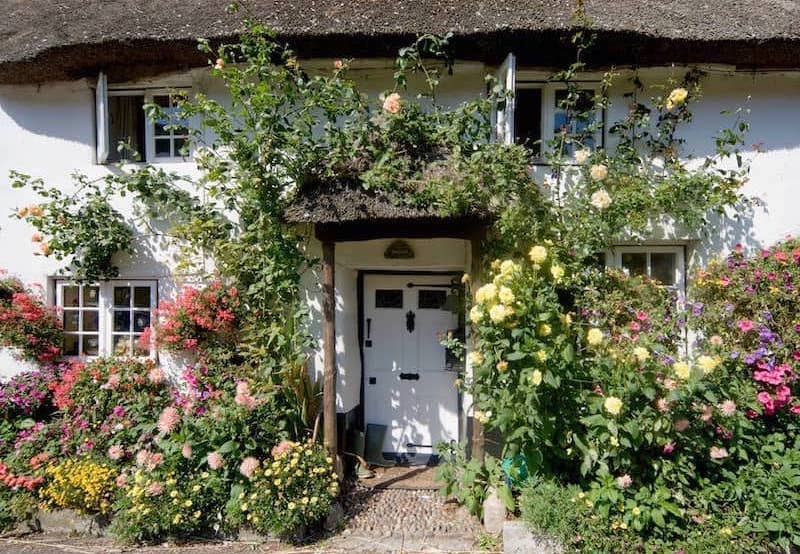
x,y
697,309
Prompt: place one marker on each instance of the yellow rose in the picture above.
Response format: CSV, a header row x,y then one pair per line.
x,y
475,358
598,172
612,405
538,254
557,272
594,336
475,314
641,354
508,267
498,313
676,98
707,364
536,377
487,293
506,295
545,330
682,370
542,355
502,366
614,441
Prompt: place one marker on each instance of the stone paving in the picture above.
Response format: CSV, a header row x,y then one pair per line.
x,y
391,520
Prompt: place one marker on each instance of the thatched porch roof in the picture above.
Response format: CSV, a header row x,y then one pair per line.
x,y
41,40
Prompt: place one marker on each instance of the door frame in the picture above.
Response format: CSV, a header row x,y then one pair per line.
x,y
360,315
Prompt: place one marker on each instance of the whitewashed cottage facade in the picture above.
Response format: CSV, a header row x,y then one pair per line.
x,y
73,74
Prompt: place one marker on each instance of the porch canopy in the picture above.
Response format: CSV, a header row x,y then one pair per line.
x,y
345,212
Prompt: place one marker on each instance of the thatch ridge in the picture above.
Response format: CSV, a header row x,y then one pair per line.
x,y
42,40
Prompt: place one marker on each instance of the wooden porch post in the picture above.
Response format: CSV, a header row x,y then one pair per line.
x,y
329,347
477,451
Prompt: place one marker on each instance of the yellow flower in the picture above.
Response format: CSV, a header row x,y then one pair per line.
x,y
502,366
594,336
487,293
291,505
536,377
641,354
465,279
682,370
498,313
598,172
538,254
475,358
173,494
475,314
188,503
557,272
636,511
508,267
506,295
542,355
676,98
707,364
545,330
727,531
614,441
612,405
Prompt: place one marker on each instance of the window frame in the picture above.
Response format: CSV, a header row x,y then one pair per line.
x,y
106,308
613,258
102,125
549,110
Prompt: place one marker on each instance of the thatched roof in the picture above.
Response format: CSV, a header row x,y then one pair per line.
x,y
42,40
351,204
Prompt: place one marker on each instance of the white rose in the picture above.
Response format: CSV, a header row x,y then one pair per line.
x,y
600,199
598,172
582,155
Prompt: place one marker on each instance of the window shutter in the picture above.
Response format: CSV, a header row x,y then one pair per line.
x,y
504,118
101,107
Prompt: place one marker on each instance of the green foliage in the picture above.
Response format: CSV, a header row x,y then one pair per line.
x,y
470,481
27,323
81,227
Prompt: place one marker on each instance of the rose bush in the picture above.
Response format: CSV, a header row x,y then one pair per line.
x,y
26,323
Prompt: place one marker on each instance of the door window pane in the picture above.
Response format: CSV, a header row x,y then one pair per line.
x,y
141,297
432,299
389,298
71,297
91,345
122,320
122,297
71,320
91,321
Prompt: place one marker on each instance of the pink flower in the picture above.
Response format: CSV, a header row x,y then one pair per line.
x,y
215,460
681,425
186,450
112,383
795,409
624,481
115,452
718,452
781,256
281,448
745,325
392,103
635,326
122,480
783,394
642,316
141,457
156,375
727,408
148,460
707,413
662,404
155,488
168,420
716,340
248,466
244,397
669,448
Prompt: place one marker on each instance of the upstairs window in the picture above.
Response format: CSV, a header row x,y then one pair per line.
x,y
126,134
538,113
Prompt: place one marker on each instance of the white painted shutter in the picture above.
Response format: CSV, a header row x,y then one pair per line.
x,y
101,107
504,118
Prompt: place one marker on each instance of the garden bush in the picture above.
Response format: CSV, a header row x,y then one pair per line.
x,y
26,323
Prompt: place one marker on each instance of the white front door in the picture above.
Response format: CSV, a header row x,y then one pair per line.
x,y
407,385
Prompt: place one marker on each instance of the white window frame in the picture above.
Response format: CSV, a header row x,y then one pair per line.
x,y
103,92
105,309
510,77
614,259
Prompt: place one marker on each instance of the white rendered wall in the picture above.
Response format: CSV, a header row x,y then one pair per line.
x,y
47,131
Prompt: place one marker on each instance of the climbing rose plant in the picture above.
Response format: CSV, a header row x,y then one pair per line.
x,y
26,323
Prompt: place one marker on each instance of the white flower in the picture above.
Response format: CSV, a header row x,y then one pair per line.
x,y
676,98
486,293
600,199
498,313
598,172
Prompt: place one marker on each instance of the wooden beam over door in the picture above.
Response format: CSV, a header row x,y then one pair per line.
x,y
329,346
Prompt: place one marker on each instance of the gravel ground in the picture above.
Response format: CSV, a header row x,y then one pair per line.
x,y
378,521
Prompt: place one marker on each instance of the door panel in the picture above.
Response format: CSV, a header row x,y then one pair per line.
x,y
422,408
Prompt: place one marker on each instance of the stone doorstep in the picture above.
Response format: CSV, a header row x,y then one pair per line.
x,y
518,539
67,522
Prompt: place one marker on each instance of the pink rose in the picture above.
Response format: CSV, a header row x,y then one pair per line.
x,y
115,452
624,481
392,103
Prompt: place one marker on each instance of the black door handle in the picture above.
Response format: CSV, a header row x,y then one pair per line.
x,y
410,317
409,376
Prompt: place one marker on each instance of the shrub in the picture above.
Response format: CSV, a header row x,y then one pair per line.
x,y
173,503
26,323
28,394
293,489
82,484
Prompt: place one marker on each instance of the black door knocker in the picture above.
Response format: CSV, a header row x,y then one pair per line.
x,y
410,316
